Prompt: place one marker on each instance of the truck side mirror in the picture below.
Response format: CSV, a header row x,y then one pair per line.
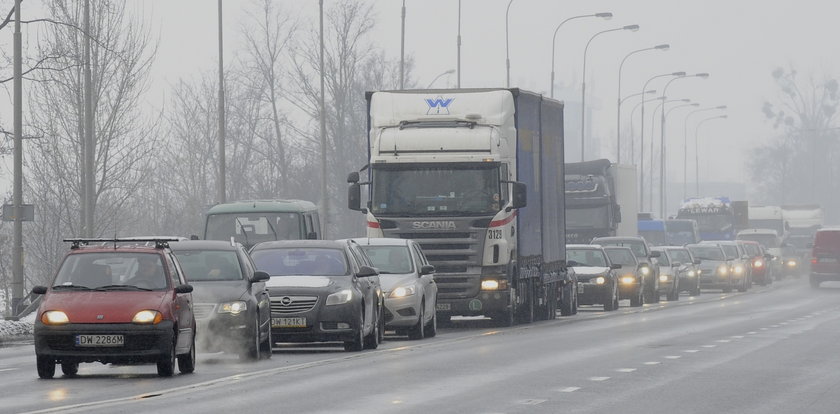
x,y
353,177
354,196
520,195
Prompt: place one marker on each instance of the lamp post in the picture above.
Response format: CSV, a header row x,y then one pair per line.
x,y
17,197
652,145
701,75
685,144
632,144
222,191
605,16
697,152
448,72
642,134
402,42
507,43
663,176
458,62
633,28
662,47
323,126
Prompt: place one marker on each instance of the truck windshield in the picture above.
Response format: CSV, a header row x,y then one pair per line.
x,y
436,189
712,223
587,218
252,228
654,237
773,224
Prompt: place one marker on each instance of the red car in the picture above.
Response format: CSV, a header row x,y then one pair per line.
x,y
115,303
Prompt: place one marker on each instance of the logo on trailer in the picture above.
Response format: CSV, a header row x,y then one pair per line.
x,y
438,106
433,225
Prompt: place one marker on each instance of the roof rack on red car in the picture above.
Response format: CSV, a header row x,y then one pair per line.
x,y
160,242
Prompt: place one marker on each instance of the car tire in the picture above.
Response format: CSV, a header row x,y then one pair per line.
x,y
186,362
742,287
431,328
674,294
638,299
358,342
417,332
371,340
567,304
267,345
166,363
252,350
46,367
70,369
609,302
695,291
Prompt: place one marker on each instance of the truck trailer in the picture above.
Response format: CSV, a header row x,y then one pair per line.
x,y
601,200
476,177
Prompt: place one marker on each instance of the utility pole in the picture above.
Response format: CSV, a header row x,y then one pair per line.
x,y
90,137
17,255
221,197
402,45
324,196
459,45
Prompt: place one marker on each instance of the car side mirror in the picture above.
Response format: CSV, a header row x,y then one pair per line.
x,y
655,254
39,290
367,271
676,264
260,276
183,289
427,270
615,266
572,263
697,261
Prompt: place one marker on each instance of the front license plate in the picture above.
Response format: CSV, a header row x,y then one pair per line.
x,y
99,340
443,306
288,322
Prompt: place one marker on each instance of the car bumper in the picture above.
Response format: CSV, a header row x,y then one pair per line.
x,y
335,323
666,286
628,290
402,312
142,343
225,332
485,303
591,293
715,282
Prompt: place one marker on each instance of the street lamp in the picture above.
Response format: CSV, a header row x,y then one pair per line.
x,y
605,16
652,145
448,72
697,153
642,134
701,75
685,144
507,43
402,44
663,176
662,47
633,138
632,28
324,208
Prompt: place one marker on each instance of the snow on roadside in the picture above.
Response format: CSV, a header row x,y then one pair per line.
x,y
17,329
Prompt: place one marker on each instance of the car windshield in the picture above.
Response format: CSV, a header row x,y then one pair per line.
x,y
209,265
621,256
586,257
707,252
654,237
767,240
730,251
252,228
112,271
680,256
637,246
390,259
301,261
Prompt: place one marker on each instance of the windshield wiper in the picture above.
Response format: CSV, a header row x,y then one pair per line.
x,y
71,287
241,227
121,287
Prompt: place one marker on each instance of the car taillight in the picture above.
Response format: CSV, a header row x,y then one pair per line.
x,y
813,260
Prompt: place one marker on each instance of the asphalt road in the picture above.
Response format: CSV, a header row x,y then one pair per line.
x,y
771,349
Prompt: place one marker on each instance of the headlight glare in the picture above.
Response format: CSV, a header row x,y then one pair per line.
x,y
663,278
54,318
758,264
791,263
403,291
147,317
600,280
491,284
340,297
645,270
628,280
739,269
723,270
236,307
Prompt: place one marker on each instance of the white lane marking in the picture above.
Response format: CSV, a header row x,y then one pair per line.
x,y
764,329
7,369
652,363
569,389
691,351
737,336
783,323
774,326
672,357
598,378
531,401
708,346
723,341
625,370
752,333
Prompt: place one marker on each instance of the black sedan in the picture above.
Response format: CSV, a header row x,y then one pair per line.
x,y
322,291
231,301
596,277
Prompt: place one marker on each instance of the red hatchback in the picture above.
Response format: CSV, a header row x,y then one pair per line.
x,y
116,303
825,256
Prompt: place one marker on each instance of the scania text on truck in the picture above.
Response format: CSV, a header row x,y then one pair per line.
x,y
451,169
600,200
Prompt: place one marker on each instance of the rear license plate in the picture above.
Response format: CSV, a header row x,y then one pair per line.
x,y
827,260
99,340
288,322
443,306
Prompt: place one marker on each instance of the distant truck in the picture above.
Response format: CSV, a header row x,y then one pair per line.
x,y
680,232
253,221
475,177
601,200
653,231
803,222
715,216
768,217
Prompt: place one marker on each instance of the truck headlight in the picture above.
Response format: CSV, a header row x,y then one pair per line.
x,y
600,280
54,318
147,317
403,291
493,284
340,297
236,307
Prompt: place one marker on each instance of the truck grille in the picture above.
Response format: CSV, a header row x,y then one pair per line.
x,y
292,304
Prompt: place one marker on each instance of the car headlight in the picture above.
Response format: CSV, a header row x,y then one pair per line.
x,y
663,278
758,263
493,284
54,318
236,307
403,291
147,317
600,280
340,297
791,263
739,269
645,270
723,270
628,280
692,273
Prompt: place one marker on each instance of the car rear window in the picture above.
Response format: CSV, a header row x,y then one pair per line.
x,y
390,259
827,238
308,261
209,265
